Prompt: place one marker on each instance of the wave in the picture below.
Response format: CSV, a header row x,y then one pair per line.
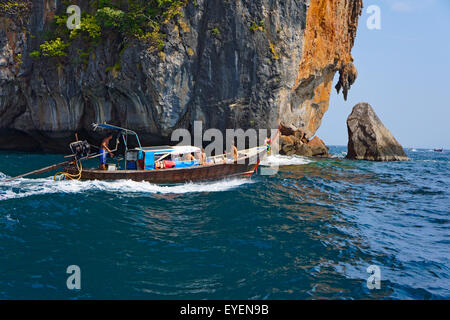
x,y
281,160
339,155
433,161
21,188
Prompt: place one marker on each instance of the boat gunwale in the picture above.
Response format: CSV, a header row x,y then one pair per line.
x,y
241,161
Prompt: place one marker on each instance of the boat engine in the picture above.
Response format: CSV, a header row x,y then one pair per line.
x,y
80,149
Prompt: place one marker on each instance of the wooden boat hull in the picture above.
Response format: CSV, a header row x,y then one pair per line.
x,y
177,175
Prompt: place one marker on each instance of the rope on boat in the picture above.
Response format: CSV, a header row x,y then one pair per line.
x,y
68,176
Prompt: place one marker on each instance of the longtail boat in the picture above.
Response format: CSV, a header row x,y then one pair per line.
x,y
162,164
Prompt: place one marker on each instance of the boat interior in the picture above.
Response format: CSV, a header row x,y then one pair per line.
x,y
166,157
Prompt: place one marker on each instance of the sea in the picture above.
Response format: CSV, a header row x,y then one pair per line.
x,y
301,228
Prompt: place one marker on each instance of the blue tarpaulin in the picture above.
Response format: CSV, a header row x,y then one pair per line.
x,y
149,162
184,164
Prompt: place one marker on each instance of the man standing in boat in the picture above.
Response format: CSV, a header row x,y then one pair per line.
x,y
103,149
234,151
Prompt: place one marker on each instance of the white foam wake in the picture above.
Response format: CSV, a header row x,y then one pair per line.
x,y
281,160
28,187
339,155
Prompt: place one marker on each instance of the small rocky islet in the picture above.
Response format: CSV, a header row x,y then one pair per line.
x,y
368,139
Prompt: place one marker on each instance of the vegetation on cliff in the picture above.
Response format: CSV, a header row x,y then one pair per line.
x,y
140,20
18,11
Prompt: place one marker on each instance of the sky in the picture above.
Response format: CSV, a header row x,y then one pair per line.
x,y
403,73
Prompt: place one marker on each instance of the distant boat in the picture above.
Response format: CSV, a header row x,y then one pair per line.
x,y
438,150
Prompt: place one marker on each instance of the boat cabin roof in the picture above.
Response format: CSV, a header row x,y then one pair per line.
x,y
171,149
157,149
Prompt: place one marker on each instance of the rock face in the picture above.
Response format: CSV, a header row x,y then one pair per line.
x,y
369,139
295,141
214,68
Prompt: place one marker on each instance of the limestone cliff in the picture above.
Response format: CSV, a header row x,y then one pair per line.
x,y
230,64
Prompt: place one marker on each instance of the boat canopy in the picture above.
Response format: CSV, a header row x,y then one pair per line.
x,y
122,131
172,149
152,154
149,154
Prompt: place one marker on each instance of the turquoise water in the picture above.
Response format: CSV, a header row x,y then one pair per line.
x,y
308,232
